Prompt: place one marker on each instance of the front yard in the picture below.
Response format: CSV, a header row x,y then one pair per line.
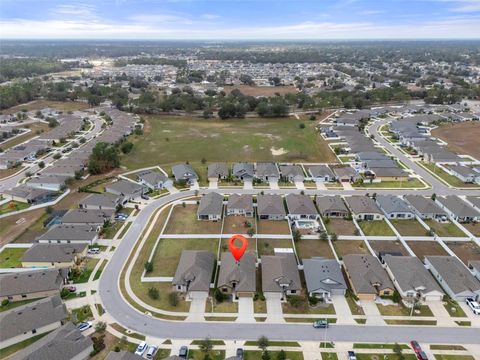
x,y
11,257
183,220
399,310
82,274
409,227
376,228
299,304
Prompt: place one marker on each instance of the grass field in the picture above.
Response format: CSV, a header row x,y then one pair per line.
x,y
167,254
267,246
11,257
376,228
183,220
310,248
409,227
41,104
461,138
346,247
169,140
340,226
445,229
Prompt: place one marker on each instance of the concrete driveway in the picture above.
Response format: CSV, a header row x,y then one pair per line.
x,y
320,185
440,313
344,316
274,308
245,310
197,307
372,313
300,185
273,184
213,184
248,185
347,186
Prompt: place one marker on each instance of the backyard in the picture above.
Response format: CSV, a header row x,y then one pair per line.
x,y
183,220
445,229
346,247
267,246
238,224
273,227
465,250
340,226
307,248
12,206
11,257
426,248
175,139
474,228
388,246
376,228
409,227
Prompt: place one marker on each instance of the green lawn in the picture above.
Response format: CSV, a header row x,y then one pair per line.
x,y
453,357
409,227
382,356
124,231
11,257
275,343
329,356
410,184
398,310
179,139
450,179
81,314
14,304
212,355
256,355
9,350
378,346
85,271
99,271
454,309
111,230
445,229
376,228
12,206
168,252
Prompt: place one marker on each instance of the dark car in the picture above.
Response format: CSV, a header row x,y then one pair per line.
x,y
320,324
415,346
351,355
239,354
144,197
422,356
183,353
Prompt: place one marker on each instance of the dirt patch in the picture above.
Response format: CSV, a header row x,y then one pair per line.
x,y
462,138
466,251
388,246
426,248
273,227
340,227
346,247
307,249
261,90
278,152
474,228
238,224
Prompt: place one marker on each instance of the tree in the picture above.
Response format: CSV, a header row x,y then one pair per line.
x,y
434,196
64,293
148,266
153,293
126,147
250,232
263,343
397,349
104,158
396,297
41,164
282,355
297,236
266,355
323,236
301,126
101,326
205,345
333,237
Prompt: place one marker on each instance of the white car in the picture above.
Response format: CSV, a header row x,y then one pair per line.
x,y
141,348
475,306
152,349
84,326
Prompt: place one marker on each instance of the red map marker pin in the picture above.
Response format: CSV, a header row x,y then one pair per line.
x,y
237,252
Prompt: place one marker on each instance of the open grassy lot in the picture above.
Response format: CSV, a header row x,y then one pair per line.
x,y
465,250
461,137
474,228
183,220
238,224
40,104
449,179
388,246
178,139
425,248
340,226
11,258
346,247
310,248
398,310
12,206
261,90
409,227
267,246
273,227
376,228
168,252
445,229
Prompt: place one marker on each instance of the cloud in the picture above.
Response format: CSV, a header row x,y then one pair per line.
x,y
209,16
371,12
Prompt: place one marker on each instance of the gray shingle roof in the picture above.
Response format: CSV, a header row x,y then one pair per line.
x,y
366,273
299,204
269,204
243,170
323,274
266,170
70,232
331,203
28,282
184,172
292,171
454,274
279,270
125,187
31,316
393,204
66,342
195,270
362,204
27,192
152,177
457,206
424,205
475,200
102,200
53,252
243,273
211,204
320,171
243,201
217,169
410,274
87,216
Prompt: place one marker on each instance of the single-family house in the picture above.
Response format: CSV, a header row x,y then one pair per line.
x,y
194,272
95,218
217,171
324,278
243,171
266,171
332,206
426,208
31,284
240,205
237,279
210,207
53,255
102,202
270,207
52,183
154,180
367,277
345,174
69,234
184,173
454,277
411,279
127,189
280,276
458,209
29,195
364,208
464,173
321,173
394,207
301,207
38,317
65,342
292,173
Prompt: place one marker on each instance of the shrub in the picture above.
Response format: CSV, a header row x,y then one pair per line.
x,y
101,326
5,302
148,266
219,296
64,293
301,126
295,301
153,293
173,299
313,300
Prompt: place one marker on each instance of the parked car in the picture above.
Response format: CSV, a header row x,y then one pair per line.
x,y
121,217
94,250
320,324
152,349
183,353
474,305
422,356
239,354
71,288
351,355
144,197
84,326
141,348
415,346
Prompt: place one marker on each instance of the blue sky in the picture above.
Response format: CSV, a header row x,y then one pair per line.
x,y
240,19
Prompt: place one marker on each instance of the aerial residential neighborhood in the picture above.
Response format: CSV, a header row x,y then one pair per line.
x,y
256,180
